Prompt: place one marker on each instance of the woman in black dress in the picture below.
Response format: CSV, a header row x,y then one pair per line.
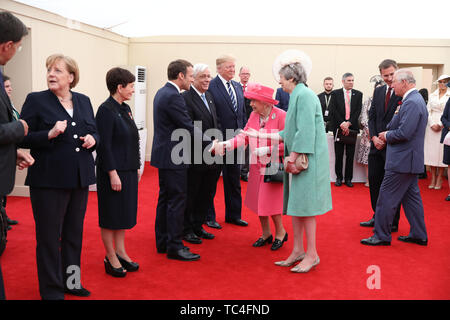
x,y
118,164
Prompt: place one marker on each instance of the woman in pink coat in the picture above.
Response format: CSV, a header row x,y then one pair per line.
x,y
264,198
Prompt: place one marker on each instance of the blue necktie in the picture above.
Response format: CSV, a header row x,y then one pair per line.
x,y
206,102
232,97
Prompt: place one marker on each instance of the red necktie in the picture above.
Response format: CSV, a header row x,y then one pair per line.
x,y
388,97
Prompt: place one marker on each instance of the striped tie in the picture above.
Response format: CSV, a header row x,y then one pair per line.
x,y
232,97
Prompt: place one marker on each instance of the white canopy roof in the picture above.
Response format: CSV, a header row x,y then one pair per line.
x,y
303,18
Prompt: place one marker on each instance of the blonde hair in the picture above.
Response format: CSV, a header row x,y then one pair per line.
x,y
71,65
224,58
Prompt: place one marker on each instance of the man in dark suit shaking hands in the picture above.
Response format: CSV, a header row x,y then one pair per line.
x,y
346,104
404,161
229,100
11,132
169,114
202,174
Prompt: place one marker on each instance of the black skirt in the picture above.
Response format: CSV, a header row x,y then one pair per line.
x,y
117,210
446,154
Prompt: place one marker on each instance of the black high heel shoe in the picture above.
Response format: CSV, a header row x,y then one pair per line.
x,y
129,266
277,244
260,242
115,272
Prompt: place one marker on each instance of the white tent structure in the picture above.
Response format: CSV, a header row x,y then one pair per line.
x,y
297,18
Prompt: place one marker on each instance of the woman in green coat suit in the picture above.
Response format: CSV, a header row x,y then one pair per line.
x,y
308,193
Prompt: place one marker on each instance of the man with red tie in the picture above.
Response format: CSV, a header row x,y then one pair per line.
x,y
384,104
346,105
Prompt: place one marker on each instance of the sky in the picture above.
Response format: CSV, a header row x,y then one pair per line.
x,y
297,18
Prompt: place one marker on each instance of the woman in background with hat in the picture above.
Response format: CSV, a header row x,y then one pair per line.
x,y
433,147
308,193
266,199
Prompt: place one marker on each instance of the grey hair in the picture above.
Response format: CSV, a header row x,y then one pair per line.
x,y
405,74
346,75
199,67
294,71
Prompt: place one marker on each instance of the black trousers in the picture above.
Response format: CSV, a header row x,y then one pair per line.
x,y
232,191
202,185
376,174
339,156
59,217
245,167
170,209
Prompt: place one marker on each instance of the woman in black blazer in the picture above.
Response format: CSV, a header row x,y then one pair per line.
x,y
62,135
445,119
118,173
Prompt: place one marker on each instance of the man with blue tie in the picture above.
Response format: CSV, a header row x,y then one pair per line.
x,y
169,114
404,161
229,99
202,176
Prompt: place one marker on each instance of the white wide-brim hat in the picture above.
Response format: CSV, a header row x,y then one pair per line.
x,y
443,77
288,57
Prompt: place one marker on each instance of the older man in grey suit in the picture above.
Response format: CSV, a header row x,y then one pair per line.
x,y
404,161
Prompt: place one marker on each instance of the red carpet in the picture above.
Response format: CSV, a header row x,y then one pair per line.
x,y
231,269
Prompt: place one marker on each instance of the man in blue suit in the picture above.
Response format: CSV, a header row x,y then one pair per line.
x,y
169,114
229,99
404,161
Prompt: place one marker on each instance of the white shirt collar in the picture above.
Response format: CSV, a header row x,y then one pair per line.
x,y
345,90
408,92
224,81
198,92
175,85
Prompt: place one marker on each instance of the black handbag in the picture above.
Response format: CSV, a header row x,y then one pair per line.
x,y
274,172
349,139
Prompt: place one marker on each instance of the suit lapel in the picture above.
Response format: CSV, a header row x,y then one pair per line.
x,y
6,103
224,92
199,104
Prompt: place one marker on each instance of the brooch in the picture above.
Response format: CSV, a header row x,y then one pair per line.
x,y
274,116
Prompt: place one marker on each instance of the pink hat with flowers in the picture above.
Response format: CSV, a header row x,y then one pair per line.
x,y
256,91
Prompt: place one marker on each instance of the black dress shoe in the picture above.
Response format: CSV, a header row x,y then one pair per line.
x,y
183,254
338,183
422,242
213,224
372,241
348,183
244,178
11,222
238,222
115,272
192,238
277,244
127,265
448,198
203,234
82,292
261,241
369,223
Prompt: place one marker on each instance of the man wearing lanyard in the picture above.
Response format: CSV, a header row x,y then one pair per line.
x,y
325,98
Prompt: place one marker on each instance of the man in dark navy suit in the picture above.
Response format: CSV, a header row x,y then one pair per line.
x,y
202,174
169,114
384,104
404,161
229,99
11,132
